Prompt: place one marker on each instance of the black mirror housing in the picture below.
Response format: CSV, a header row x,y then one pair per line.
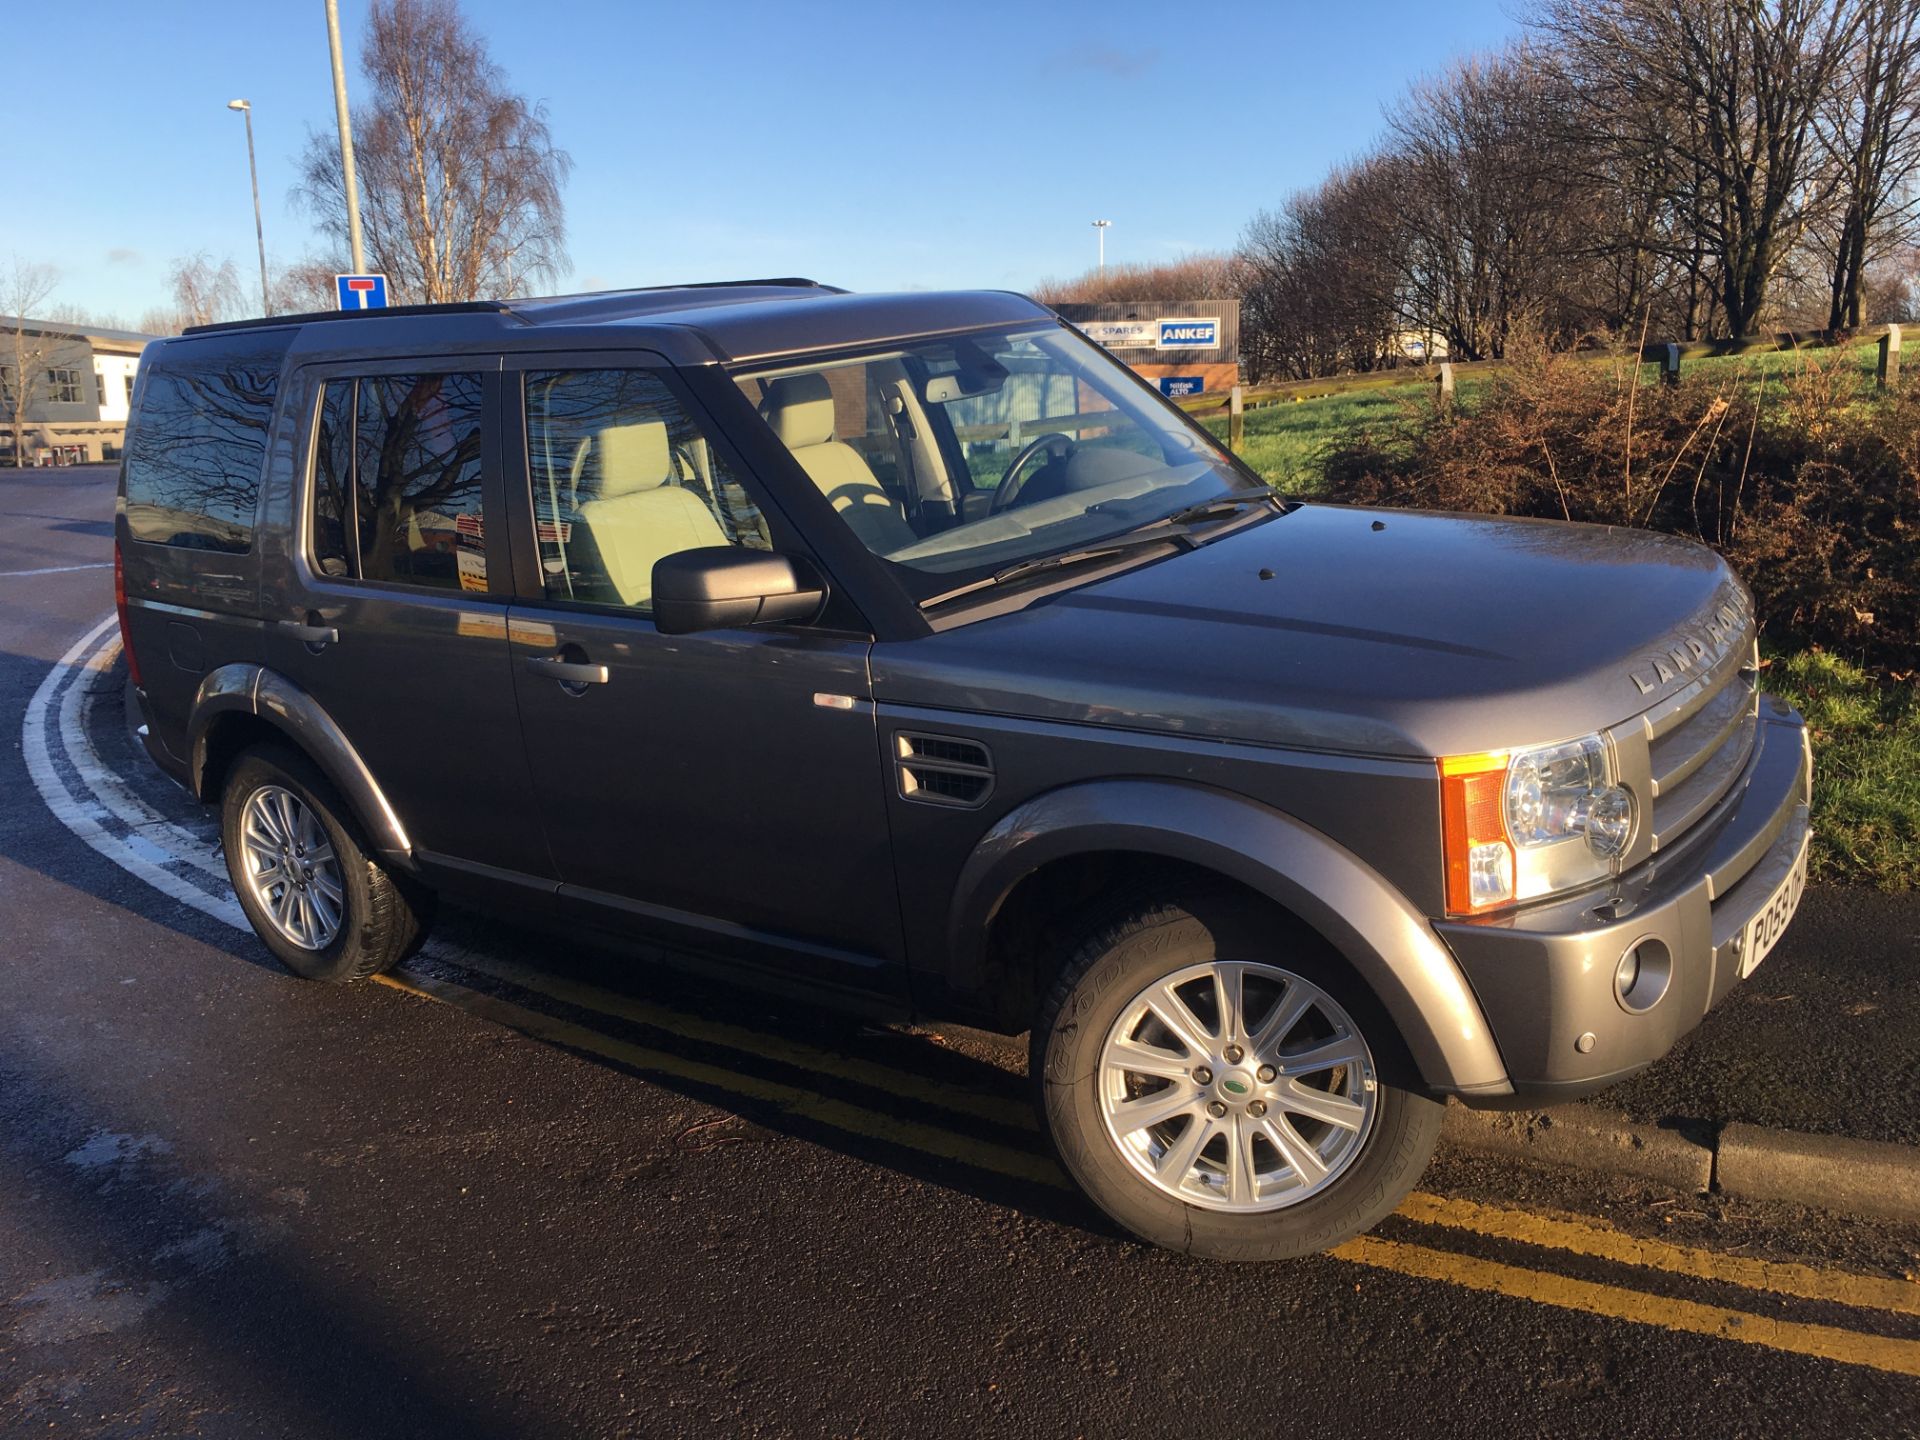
x,y
724,587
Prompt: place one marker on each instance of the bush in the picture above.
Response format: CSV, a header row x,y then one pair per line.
x,y
1805,478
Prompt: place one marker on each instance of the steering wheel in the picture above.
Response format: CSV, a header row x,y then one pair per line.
x,y
1008,490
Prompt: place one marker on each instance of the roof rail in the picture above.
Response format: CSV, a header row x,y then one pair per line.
x,y
504,307
263,322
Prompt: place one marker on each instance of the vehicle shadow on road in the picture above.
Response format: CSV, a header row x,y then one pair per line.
x,y
140,1271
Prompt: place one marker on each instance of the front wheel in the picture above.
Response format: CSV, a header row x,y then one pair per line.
x,y
1212,1079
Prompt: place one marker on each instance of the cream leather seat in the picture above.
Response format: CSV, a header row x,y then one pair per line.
x,y
636,517
800,410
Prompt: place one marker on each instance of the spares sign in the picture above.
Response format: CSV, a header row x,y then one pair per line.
x,y
1185,333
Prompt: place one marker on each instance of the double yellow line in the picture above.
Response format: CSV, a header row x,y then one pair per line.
x,y
1542,1287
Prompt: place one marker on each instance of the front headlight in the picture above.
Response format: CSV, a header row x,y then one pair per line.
x,y
1563,792
1519,825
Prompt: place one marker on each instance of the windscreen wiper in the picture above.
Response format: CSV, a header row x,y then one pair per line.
x,y
1220,505
1157,534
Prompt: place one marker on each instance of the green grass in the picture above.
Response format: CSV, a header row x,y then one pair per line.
x,y
1284,442
1866,767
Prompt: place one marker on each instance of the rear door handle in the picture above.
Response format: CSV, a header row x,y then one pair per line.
x,y
567,672
311,634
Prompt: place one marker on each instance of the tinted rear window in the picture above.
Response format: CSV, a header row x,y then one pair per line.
x,y
397,480
197,445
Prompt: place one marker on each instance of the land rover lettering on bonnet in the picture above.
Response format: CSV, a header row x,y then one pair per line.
x,y
910,647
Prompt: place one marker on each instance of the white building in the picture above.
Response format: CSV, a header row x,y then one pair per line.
x,y
80,383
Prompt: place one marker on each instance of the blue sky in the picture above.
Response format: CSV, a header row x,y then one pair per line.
x,y
873,145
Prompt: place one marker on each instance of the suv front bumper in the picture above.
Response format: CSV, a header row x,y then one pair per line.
x,y
1544,975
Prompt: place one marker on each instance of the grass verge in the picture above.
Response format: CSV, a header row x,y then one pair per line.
x,y
1866,765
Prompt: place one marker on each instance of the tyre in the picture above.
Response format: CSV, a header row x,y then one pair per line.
x,y
316,899
1215,1080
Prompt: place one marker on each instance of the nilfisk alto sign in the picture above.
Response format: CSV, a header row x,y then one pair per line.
x,y
1184,332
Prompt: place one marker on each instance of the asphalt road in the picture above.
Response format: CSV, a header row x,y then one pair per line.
x,y
537,1188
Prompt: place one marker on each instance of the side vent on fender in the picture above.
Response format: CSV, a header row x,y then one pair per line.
x,y
943,770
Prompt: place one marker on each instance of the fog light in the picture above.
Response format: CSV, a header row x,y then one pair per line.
x,y
1641,977
1627,972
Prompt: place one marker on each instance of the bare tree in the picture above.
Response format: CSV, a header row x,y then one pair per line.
x,y
1325,276
461,181
79,317
1486,206
24,290
159,320
1733,88
1207,275
203,293
303,287
1869,129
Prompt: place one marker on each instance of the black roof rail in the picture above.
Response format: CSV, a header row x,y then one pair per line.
x,y
799,282
505,307
263,322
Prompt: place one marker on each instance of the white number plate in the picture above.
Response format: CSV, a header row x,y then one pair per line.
x,y
1766,928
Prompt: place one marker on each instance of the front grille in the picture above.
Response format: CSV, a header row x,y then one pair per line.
x,y
1699,746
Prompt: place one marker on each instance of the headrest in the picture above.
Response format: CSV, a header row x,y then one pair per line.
x,y
800,410
633,458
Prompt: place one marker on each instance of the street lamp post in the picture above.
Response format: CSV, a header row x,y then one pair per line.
x,y
259,230
347,180
1100,229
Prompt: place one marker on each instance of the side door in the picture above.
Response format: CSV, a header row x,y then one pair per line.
x,y
722,788
392,607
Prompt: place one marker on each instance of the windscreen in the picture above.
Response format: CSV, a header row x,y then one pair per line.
x,y
959,455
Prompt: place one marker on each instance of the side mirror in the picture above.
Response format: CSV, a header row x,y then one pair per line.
x,y
723,587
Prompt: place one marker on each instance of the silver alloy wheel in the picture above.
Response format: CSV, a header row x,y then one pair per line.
x,y
289,866
1237,1086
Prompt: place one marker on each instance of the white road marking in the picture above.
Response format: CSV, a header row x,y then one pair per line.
x,y
82,813
56,570
155,839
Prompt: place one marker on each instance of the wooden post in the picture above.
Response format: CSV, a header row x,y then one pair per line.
x,y
1236,421
1670,365
1890,358
1443,386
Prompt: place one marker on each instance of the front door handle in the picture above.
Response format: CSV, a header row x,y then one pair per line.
x,y
311,634
567,672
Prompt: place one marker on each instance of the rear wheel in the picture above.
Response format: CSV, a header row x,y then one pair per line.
x,y
1214,1082
317,900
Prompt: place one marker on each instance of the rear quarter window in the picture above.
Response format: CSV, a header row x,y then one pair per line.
x,y
197,444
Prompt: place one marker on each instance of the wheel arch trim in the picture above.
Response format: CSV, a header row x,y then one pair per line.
x,y
275,700
1389,944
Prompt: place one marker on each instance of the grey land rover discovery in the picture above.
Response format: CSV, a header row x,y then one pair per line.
x,y
909,645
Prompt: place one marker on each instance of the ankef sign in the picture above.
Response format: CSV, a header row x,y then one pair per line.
x,y
1189,334
1156,333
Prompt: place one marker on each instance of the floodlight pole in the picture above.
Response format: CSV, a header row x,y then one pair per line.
x,y
1100,229
347,179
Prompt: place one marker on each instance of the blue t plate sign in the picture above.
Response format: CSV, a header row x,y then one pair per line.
x,y
362,292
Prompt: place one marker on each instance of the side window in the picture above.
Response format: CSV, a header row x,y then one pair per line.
x,y
621,478
396,481
196,448
333,482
